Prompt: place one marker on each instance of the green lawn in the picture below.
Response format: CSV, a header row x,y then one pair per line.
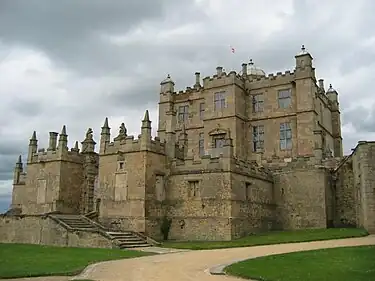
x,y
271,238
25,260
341,264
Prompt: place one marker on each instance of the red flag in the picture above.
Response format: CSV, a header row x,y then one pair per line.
x,y
232,49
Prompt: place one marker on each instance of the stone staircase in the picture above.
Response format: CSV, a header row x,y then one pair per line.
x,y
123,240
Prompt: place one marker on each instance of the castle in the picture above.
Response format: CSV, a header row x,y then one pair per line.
x,y
235,154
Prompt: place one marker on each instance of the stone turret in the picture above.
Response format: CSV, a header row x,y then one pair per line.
x,y
303,59
33,147
18,169
105,136
167,85
336,121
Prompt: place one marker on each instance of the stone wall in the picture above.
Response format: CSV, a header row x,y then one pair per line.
x,y
45,231
301,197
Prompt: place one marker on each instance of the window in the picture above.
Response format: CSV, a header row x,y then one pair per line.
x,y
219,100
219,142
201,144
201,110
258,101
285,136
183,113
121,165
258,137
194,188
285,98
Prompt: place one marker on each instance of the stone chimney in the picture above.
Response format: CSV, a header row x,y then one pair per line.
x,y
321,84
52,141
244,69
197,80
219,71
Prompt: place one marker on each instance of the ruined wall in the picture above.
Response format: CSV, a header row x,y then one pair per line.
x,y
44,231
346,196
300,196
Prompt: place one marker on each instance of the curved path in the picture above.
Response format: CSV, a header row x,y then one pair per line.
x,y
194,265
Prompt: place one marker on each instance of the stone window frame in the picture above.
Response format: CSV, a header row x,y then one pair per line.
x,y
257,137
201,110
257,102
220,100
121,165
284,98
183,113
194,188
247,190
201,144
286,136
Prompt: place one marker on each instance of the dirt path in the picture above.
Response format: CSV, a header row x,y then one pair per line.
x,y
194,265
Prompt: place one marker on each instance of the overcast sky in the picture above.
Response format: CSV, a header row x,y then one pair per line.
x,y
75,62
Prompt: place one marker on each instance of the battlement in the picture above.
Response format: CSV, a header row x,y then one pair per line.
x,y
131,144
44,155
271,79
218,162
223,79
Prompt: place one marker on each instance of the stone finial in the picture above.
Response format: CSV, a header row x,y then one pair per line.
x,y
122,133
88,145
63,131
147,116
19,161
105,123
251,62
89,134
33,137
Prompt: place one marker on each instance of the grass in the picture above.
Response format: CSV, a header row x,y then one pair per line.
x,y
271,238
25,260
344,264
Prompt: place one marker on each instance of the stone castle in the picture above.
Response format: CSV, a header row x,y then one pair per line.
x,y
235,154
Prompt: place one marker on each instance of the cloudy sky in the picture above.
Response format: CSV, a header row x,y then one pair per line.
x,y
74,62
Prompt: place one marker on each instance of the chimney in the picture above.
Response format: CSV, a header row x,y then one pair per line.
x,y
197,79
244,69
321,84
219,71
52,141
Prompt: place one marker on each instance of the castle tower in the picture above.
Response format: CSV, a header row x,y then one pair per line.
x,y
33,147
105,136
146,132
336,121
18,169
304,91
63,142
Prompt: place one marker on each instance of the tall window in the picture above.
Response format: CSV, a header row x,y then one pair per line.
x,y
201,144
183,113
201,110
285,98
219,99
258,101
258,137
285,136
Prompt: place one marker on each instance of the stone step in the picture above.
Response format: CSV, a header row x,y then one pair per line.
x,y
129,239
129,246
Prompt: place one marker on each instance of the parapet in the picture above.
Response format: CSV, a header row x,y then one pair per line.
x,y
44,155
271,80
223,79
132,144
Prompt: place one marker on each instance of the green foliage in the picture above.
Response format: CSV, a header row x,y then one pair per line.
x,y
24,260
165,227
342,264
274,237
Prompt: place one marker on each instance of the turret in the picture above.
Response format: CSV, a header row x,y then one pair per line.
x,y
303,59
167,85
336,121
88,145
63,141
33,147
105,136
18,169
146,131
52,141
